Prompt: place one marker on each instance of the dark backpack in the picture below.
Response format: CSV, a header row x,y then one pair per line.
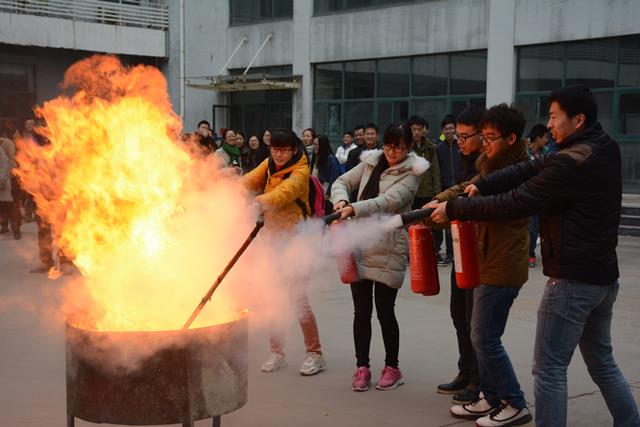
x,y
317,202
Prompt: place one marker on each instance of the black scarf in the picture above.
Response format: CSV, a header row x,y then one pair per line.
x,y
372,188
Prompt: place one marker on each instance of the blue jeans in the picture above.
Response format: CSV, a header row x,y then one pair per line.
x,y
491,305
573,313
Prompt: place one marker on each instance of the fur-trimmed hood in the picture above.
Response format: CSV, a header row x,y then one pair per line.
x,y
417,164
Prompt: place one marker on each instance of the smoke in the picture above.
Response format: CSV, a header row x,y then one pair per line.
x,y
150,219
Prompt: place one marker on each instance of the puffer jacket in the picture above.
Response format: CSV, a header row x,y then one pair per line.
x,y
281,191
503,246
386,261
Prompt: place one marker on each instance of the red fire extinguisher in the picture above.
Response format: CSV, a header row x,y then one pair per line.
x,y
347,266
465,254
423,265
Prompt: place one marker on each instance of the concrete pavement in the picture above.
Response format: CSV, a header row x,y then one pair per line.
x,y
32,377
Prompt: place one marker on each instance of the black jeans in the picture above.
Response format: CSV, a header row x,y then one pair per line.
x,y
437,236
461,307
385,298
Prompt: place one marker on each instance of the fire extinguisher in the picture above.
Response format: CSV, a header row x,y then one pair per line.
x,y
423,265
347,266
465,254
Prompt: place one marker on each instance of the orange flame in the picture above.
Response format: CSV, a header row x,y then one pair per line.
x,y
115,182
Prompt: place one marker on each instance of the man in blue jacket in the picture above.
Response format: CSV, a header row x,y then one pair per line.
x,y
577,192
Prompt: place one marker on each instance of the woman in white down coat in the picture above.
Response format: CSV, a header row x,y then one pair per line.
x,y
386,181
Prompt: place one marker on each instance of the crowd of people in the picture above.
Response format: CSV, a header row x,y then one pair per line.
x,y
562,182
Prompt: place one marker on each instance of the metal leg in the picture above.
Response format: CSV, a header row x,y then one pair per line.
x,y
71,420
216,421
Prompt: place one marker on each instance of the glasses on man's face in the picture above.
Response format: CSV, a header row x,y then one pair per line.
x,y
491,139
395,148
281,150
465,138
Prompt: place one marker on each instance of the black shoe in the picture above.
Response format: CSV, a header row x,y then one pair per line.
x,y
44,268
468,395
458,385
17,235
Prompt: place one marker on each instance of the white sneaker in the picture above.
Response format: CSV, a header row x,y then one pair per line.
x,y
275,363
313,363
505,416
474,410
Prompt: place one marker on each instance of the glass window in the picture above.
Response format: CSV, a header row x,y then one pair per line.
x,y
359,79
540,67
393,77
357,112
16,78
469,72
328,81
605,109
629,74
433,110
629,110
592,63
430,74
320,6
528,104
248,11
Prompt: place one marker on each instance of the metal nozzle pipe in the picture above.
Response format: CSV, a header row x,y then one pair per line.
x,y
330,218
409,218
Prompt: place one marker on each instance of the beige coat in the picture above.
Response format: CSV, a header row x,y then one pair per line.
x,y
386,261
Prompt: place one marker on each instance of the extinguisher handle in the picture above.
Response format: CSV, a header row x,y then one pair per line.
x,y
463,194
409,218
332,217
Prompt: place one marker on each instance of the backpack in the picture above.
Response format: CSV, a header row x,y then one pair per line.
x,y
316,198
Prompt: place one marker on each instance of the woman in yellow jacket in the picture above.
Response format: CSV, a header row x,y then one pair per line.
x,y
282,182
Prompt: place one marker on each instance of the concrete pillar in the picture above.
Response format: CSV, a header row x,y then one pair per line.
x,y
501,62
303,97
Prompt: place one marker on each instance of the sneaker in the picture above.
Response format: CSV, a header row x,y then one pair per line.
x,y
472,411
275,363
361,379
505,415
467,395
458,385
442,261
532,261
313,363
389,378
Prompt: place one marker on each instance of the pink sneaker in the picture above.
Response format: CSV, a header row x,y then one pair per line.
x,y
390,378
361,379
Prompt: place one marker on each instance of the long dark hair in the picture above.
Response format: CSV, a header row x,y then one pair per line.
x,y
324,150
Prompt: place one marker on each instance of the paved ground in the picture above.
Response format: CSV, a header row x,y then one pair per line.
x,y
32,385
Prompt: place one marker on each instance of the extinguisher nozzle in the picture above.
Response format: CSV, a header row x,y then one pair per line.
x,y
330,218
409,218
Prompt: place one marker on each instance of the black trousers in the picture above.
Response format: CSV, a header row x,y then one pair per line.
x,y
385,299
461,307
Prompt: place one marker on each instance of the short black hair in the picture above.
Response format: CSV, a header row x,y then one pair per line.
x,y
506,119
537,131
371,126
471,116
283,138
418,120
396,133
347,132
203,122
449,119
575,100
358,127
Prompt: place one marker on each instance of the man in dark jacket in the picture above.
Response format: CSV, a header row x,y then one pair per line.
x,y
449,162
464,386
578,193
423,147
370,143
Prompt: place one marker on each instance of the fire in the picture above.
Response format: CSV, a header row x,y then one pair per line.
x,y
129,202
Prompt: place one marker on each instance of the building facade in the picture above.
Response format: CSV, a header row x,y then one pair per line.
x,y
331,64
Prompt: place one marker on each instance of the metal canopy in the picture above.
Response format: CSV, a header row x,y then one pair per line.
x,y
247,82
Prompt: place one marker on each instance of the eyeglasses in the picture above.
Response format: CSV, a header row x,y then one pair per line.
x,y
491,139
395,148
465,138
281,150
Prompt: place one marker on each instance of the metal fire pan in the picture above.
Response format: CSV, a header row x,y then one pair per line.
x,y
194,374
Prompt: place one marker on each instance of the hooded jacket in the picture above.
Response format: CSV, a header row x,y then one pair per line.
x,y
279,191
578,194
430,180
386,260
